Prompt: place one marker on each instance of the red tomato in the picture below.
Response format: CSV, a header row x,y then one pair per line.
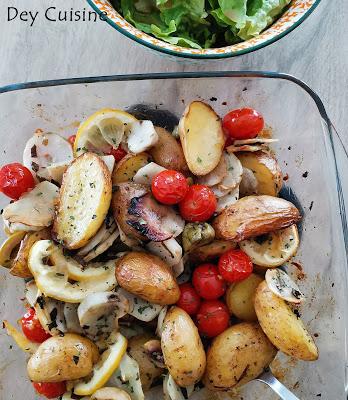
x,y
169,187
50,389
15,179
189,300
199,204
212,318
71,139
32,328
235,266
118,153
244,123
207,282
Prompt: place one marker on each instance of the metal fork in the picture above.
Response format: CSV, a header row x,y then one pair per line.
x,y
269,379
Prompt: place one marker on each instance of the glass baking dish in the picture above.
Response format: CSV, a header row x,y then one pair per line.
x,y
310,154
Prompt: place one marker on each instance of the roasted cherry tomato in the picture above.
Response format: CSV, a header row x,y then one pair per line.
x,y
71,139
32,328
212,318
199,204
15,179
235,266
169,187
118,153
208,282
50,389
189,300
244,123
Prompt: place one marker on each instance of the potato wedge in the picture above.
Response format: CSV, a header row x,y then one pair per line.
x,y
237,356
63,358
240,298
283,328
125,169
19,267
182,348
202,138
266,170
212,250
148,277
84,201
254,216
167,152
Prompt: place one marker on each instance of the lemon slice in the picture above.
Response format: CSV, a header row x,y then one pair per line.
x,y
102,131
8,246
22,342
273,249
105,367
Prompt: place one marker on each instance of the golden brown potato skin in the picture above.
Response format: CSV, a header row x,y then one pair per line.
x,y
167,152
254,216
148,370
182,348
126,168
266,170
211,251
148,277
63,358
237,356
282,326
240,298
121,198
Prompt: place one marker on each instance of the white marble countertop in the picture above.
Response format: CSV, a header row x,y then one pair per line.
x,y
316,52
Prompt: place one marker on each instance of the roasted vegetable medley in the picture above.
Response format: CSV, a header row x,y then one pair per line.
x,y
152,257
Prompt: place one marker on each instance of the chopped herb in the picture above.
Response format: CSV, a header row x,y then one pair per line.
x,y
76,359
92,185
199,160
94,216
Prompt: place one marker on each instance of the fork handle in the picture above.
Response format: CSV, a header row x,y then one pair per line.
x,y
283,392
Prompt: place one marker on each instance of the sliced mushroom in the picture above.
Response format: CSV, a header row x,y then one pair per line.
x,y
71,318
109,161
142,136
197,234
171,390
257,140
248,184
216,175
154,351
234,172
226,201
129,373
147,173
169,251
160,321
110,393
283,286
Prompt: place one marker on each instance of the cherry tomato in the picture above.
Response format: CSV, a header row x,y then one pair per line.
x,y
207,282
71,139
235,266
212,318
169,187
244,123
50,389
15,179
32,328
118,153
199,204
189,300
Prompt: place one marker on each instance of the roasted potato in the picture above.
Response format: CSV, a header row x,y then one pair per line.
x,y
19,267
63,358
167,152
84,201
148,277
240,298
202,138
182,348
128,167
212,250
148,370
237,356
266,170
283,328
254,216
197,234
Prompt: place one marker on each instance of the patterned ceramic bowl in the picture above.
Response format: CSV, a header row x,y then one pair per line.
x,y
297,12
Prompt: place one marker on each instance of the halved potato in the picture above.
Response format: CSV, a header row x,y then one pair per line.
x,y
84,201
167,152
128,167
273,249
212,250
266,170
282,327
254,216
202,138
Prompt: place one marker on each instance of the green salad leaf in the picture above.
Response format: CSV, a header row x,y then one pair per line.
x,y
201,23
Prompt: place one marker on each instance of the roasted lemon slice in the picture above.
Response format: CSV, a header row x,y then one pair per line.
x,y
105,367
8,247
273,249
102,131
